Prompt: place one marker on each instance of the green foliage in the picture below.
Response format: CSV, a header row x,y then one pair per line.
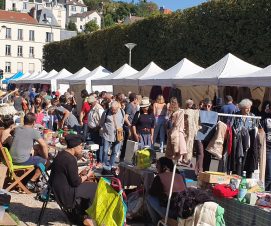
x,y
2,4
91,26
71,26
108,20
203,34
145,9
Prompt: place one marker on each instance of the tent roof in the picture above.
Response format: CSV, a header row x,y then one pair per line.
x,y
49,77
14,77
26,79
83,71
179,70
228,66
25,75
122,72
150,70
98,72
32,79
255,79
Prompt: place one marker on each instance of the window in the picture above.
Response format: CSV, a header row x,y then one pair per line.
x,y
73,8
20,34
13,6
8,50
31,52
81,27
20,51
31,68
8,33
82,10
8,67
25,5
31,35
81,19
49,37
19,66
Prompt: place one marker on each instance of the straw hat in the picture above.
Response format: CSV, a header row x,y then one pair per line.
x,y
145,102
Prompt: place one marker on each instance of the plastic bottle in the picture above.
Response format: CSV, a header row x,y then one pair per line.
x,y
242,188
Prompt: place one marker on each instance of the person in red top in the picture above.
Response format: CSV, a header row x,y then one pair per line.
x,y
83,119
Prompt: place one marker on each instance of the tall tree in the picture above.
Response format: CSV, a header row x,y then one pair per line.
x,y
108,20
91,26
71,26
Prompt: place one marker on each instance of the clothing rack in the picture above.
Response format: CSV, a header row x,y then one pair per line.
x,y
175,165
239,116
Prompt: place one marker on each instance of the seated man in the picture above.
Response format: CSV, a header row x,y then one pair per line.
x,y
23,144
67,184
159,191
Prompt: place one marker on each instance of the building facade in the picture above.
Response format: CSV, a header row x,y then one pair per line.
x,y
22,39
80,19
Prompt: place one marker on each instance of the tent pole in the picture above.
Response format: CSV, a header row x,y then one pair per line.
x,y
169,196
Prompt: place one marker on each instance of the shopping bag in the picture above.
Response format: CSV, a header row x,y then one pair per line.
x,y
108,208
143,158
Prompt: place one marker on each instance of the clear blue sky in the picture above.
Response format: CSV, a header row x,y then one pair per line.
x,y
175,4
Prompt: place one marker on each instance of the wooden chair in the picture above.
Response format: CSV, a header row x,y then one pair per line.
x,y
14,170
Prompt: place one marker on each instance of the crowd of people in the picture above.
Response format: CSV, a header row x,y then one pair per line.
x,y
111,121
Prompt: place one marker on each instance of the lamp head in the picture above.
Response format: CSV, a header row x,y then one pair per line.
x,y
130,46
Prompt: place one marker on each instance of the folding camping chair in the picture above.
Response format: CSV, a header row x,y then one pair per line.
x,y
14,170
71,214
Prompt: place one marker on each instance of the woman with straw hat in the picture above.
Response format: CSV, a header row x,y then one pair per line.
x,y
143,124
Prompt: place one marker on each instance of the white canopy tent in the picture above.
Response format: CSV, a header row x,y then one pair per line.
x,y
86,80
178,71
83,71
32,79
228,67
51,79
123,72
260,78
149,71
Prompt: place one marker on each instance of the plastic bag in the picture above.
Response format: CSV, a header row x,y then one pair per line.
x,y
135,204
108,207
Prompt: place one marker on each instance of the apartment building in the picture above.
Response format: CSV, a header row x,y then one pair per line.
x,y
80,19
22,38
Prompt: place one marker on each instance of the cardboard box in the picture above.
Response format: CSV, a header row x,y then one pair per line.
x,y
214,177
3,173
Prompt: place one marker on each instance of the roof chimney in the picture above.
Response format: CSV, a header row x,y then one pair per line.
x,y
33,13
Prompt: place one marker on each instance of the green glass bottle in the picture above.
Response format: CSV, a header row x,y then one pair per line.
x,y
242,188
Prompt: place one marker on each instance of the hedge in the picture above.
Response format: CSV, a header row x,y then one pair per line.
x,y
203,34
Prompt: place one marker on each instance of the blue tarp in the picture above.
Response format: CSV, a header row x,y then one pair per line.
x,y
13,77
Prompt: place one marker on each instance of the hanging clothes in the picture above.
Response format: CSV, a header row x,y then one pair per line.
x,y
175,92
191,128
166,93
176,145
252,157
155,91
215,146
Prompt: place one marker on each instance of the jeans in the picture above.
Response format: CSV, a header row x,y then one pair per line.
x,y
156,211
124,143
268,171
85,130
160,128
115,147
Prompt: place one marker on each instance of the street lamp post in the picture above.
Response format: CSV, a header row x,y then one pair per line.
x,y
130,46
45,20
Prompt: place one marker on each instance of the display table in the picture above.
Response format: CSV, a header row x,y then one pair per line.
x,y
132,176
239,214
